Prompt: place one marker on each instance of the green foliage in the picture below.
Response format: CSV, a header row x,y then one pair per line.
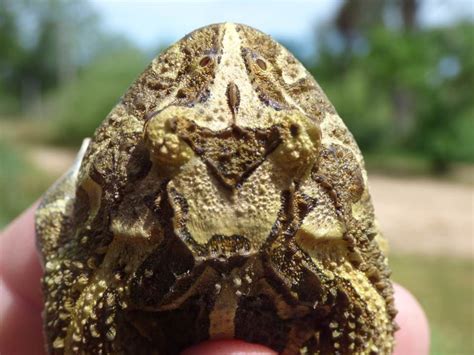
x,y
78,108
43,45
364,110
401,89
405,90
20,182
11,55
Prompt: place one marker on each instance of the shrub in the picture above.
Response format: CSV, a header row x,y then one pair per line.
x,y
80,107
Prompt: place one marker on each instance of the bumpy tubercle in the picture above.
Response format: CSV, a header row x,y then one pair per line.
x,y
165,145
301,139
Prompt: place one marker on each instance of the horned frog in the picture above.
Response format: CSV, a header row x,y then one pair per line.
x,y
222,197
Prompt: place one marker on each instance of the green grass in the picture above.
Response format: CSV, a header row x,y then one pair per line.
x,y
20,182
445,288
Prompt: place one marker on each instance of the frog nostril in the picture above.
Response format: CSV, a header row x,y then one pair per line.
x,y
294,130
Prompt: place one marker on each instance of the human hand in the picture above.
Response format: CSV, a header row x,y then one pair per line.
x,y
21,304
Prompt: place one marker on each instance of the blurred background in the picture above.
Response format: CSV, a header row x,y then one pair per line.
x,y
400,73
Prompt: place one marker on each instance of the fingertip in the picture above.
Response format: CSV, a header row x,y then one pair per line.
x,y
20,325
20,267
228,347
413,337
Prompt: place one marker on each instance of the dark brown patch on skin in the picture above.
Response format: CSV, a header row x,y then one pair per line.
x,y
205,61
233,97
170,332
261,63
232,154
267,328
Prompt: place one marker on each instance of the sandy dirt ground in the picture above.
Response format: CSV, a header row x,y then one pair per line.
x,y
422,215
417,215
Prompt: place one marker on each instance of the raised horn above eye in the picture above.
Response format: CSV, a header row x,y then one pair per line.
x,y
163,142
300,143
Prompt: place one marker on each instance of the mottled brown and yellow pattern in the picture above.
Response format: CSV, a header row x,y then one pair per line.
x,y
223,197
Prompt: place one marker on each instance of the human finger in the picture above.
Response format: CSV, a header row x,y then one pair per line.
x,y
19,262
228,347
20,299
413,337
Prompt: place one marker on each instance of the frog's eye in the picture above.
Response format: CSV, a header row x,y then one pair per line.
x,y
205,61
261,63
